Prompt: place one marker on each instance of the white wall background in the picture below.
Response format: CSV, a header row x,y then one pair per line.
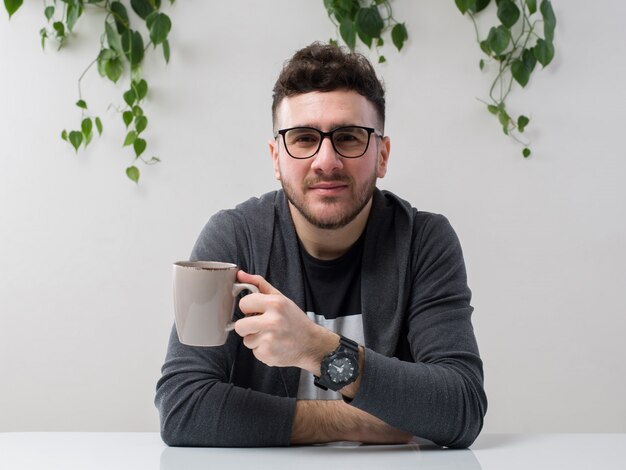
x,y
85,301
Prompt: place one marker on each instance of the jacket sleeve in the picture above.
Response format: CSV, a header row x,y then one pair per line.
x,y
197,403
436,392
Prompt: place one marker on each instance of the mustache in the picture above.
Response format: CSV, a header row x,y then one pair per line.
x,y
332,178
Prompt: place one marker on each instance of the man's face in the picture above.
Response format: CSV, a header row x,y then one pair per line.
x,y
328,190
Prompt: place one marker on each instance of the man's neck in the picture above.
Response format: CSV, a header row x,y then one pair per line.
x,y
329,243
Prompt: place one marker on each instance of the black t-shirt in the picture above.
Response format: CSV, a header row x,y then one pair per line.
x,y
333,287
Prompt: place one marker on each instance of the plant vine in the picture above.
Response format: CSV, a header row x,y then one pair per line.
x,y
122,49
515,45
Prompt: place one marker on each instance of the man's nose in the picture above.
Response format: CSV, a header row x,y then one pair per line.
x,y
327,159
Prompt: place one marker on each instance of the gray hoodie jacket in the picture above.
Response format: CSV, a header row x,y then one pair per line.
x,y
423,373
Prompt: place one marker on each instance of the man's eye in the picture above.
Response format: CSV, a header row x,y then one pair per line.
x,y
303,139
345,137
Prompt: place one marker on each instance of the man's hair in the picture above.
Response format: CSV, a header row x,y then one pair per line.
x,y
323,67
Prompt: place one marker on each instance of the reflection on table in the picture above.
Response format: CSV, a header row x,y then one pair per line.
x,y
422,455
139,451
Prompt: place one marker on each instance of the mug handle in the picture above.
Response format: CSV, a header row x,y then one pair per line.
x,y
237,288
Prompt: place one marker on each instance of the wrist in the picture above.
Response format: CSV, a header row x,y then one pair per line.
x,y
323,342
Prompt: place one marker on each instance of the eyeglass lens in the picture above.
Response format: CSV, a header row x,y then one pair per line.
x,y
304,142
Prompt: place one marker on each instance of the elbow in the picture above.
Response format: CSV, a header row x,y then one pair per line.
x,y
172,438
470,423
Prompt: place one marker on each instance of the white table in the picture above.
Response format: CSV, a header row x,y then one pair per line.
x,y
138,451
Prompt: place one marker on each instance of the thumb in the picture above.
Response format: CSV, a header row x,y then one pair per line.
x,y
256,280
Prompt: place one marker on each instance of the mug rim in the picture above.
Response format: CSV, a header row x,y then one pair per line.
x,y
206,265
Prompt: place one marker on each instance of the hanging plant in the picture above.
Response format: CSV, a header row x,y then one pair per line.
x,y
122,49
515,44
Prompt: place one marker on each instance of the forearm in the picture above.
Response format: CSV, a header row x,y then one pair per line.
x,y
319,421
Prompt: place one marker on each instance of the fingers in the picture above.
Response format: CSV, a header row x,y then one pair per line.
x,y
256,280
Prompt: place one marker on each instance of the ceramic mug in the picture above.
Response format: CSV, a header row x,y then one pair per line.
x,y
204,301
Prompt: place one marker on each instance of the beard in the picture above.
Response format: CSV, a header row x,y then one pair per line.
x,y
335,213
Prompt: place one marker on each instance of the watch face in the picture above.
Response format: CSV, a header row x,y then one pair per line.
x,y
341,369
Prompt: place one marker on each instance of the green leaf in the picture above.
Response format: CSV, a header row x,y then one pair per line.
x,y
120,16
484,46
348,33
12,6
529,60
532,6
481,5
481,64
127,117
113,69
133,173
99,125
166,51
399,35
526,152
130,138
549,20
132,44
141,122
76,138
160,26
81,104
369,21
543,52
520,73
113,38
365,39
87,126
465,5
49,12
136,73
137,111
141,89
130,97
44,35
498,39
142,7
493,109
64,135
508,13
72,15
522,122
381,59
504,119
59,28
139,145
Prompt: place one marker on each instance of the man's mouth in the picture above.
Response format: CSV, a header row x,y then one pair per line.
x,y
328,188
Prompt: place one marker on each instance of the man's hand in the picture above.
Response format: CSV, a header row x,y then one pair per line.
x,y
278,332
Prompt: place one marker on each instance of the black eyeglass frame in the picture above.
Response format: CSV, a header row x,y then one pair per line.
x,y
329,134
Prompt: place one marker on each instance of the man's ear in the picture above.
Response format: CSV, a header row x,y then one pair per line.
x,y
383,157
273,147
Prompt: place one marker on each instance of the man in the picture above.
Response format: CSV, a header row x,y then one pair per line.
x,y
385,350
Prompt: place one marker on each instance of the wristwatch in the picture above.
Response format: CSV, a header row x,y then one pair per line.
x,y
339,367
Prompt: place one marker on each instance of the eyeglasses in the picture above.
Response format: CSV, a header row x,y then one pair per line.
x,y
348,141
